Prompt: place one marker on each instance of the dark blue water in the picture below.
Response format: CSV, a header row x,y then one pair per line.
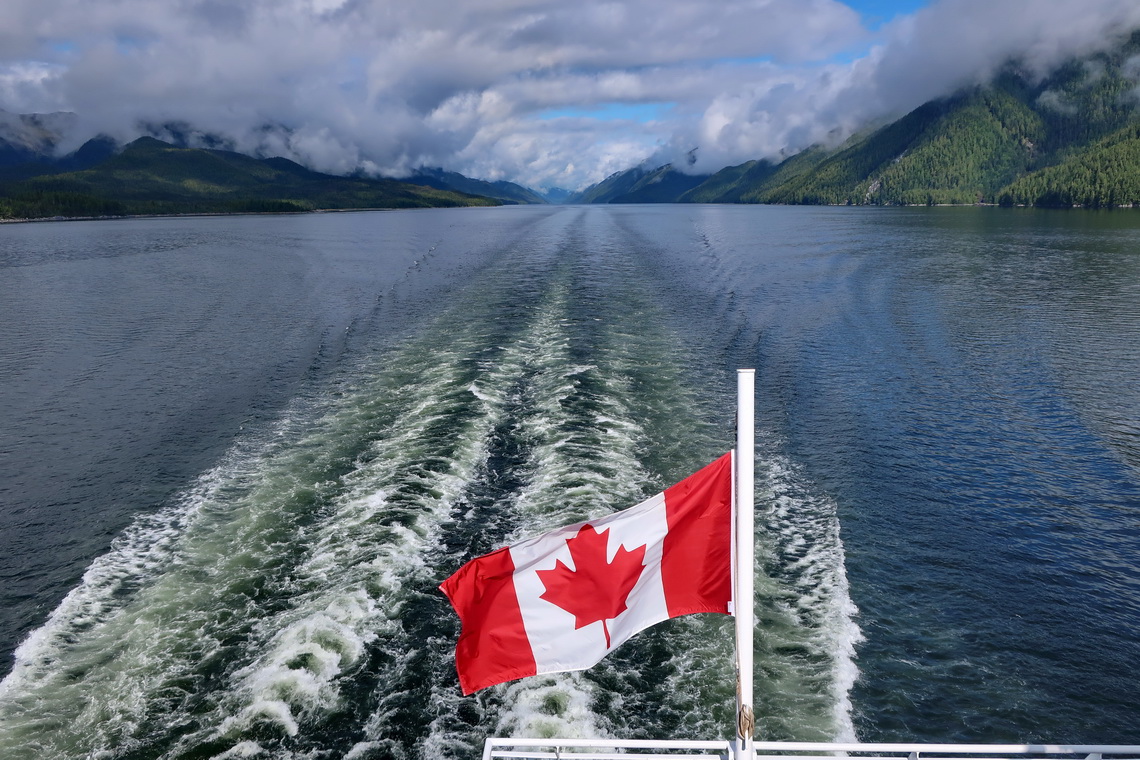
x,y
964,384
238,454
134,354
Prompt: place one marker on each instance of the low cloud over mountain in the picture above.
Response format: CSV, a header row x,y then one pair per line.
x,y
540,92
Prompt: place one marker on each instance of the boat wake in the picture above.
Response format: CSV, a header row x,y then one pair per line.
x,y
285,605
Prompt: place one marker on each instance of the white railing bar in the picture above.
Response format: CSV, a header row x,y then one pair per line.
x,y
721,747
616,743
578,755
764,756
1007,756
911,756
812,750
607,756
761,756
927,754
965,749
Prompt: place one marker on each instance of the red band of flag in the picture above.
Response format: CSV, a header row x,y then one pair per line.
x,y
562,600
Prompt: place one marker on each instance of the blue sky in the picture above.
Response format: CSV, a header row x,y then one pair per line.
x,y
874,13
877,12
541,92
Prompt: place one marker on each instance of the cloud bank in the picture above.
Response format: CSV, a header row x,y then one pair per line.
x,y
543,92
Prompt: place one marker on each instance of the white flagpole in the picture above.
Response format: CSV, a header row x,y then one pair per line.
x,y
744,594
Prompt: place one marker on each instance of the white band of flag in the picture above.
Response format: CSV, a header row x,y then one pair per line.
x,y
563,600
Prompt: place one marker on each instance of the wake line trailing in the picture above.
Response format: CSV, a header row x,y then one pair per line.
x,y
269,524
285,604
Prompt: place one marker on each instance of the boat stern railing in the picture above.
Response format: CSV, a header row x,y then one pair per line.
x,y
872,751
627,749
592,749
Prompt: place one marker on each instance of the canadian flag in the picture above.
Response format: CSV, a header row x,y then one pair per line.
x,y
563,600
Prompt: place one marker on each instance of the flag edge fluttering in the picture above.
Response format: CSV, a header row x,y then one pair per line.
x,y
716,479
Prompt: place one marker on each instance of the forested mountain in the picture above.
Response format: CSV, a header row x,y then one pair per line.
x,y
613,186
729,184
35,181
640,185
959,150
556,195
28,144
153,177
507,192
31,137
1105,175
747,182
1072,138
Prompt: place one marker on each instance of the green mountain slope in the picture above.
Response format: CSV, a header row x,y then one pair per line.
x,y
94,151
751,181
663,185
32,137
639,185
1105,175
958,150
507,192
789,170
153,177
977,146
1061,140
613,186
727,185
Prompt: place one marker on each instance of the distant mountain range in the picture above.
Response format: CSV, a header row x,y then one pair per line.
x,y
26,138
556,195
1069,139
150,176
640,185
1072,138
507,192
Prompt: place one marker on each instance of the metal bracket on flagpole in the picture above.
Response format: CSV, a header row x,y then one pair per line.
x,y
744,593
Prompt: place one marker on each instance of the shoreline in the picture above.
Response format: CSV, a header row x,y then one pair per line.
x,y
195,214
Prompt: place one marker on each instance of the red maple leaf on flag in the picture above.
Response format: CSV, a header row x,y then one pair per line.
x,y
595,589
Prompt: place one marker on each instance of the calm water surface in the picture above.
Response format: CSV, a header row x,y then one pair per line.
x,y
238,454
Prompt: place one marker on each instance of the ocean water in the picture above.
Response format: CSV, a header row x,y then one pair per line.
x,y
239,454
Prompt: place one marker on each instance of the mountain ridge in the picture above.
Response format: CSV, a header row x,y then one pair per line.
x,y
663,184
1059,140
28,155
150,176
508,192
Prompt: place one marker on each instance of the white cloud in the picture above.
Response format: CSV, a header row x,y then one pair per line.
x,y
29,85
389,85
945,46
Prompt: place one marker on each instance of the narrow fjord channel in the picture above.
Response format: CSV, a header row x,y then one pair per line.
x,y
242,453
